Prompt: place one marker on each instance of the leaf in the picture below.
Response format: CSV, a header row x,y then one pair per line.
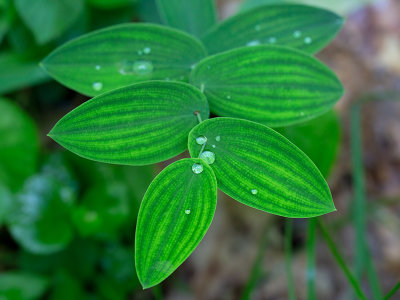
x,y
139,124
260,168
5,203
324,133
194,16
175,214
273,85
298,26
17,71
22,285
19,145
121,55
111,4
148,12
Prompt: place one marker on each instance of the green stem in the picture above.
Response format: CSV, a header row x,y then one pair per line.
x,y
288,257
340,261
311,270
198,115
392,291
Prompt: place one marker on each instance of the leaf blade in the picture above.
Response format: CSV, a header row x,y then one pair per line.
x,y
120,55
172,219
298,26
272,85
140,124
260,168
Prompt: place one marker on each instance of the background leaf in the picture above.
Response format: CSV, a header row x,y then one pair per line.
x,y
320,133
6,202
194,16
15,285
139,124
48,19
303,27
175,214
272,85
19,145
260,168
124,54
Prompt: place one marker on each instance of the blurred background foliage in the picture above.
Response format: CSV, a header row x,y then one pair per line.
x,y
67,224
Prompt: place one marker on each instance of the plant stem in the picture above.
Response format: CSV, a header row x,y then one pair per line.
x,y
392,291
311,270
198,115
288,257
335,252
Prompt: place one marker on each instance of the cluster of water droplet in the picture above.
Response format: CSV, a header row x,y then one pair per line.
x,y
272,40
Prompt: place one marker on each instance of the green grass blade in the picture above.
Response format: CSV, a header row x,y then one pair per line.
x,y
392,291
311,258
289,258
260,168
272,85
174,216
340,261
123,54
194,16
298,26
140,124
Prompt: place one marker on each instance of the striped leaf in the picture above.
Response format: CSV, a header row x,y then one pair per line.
x,y
260,168
194,16
273,85
140,124
303,27
175,214
121,55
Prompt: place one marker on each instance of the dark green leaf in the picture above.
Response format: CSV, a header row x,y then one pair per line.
x,y
15,285
19,145
174,216
303,27
139,124
48,19
318,138
272,85
148,12
260,168
194,16
124,54
5,203
110,4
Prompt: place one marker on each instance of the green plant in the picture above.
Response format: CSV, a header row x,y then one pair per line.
x,y
260,69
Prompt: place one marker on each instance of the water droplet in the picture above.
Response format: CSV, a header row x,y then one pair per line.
x,y
167,79
297,34
98,67
97,86
307,40
197,168
217,138
208,157
257,27
253,43
140,52
302,113
213,146
143,67
187,211
272,40
147,50
201,140
254,191
228,97
192,66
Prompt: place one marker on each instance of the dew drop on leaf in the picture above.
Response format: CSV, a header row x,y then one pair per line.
x,y
147,50
254,191
217,138
201,140
307,40
97,86
143,67
98,67
257,27
297,34
228,97
253,43
272,40
213,146
197,168
187,211
208,157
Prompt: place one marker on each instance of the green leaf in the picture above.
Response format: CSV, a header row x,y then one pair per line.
x,y
324,133
148,12
175,214
139,124
303,27
48,19
5,203
16,285
124,54
17,71
194,16
19,145
260,168
111,4
273,85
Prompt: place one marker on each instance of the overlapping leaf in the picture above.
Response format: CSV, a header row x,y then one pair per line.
x,y
194,16
273,85
139,124
303,27
260,168
124,54
174,216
